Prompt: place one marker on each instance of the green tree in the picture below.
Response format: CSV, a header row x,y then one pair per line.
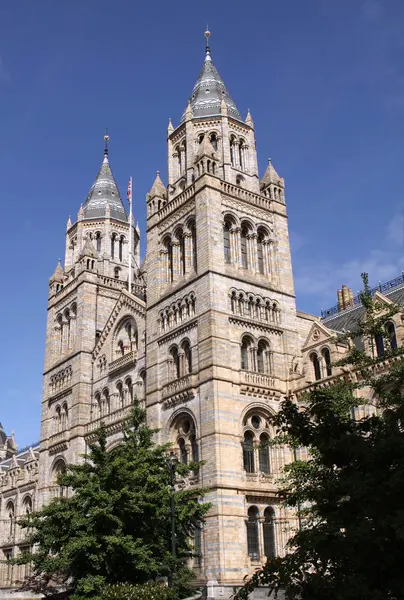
x,y
350,491
114,526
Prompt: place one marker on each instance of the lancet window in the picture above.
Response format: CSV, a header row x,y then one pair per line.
x,y
179,252
256,357
184,439
256,443
180,360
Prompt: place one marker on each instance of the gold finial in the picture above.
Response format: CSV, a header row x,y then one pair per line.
x,y
106,139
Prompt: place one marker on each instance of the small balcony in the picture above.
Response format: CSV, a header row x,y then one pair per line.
x,y
111,418
58,438
128,359
179,390
258,384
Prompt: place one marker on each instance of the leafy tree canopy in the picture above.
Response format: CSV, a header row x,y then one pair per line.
x,y
350,491
114,524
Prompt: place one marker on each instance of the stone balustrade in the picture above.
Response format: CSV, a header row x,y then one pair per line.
x,y
130,358
237,192
179,385
113,417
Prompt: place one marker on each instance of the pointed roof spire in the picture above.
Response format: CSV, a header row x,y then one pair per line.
x,y
58,273
210,90
158,188
249,120
170,127
103,192
270,175
68,224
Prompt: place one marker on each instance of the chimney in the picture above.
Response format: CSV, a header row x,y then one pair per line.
x,y
345,297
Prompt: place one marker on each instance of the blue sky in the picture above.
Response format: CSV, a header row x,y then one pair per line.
x,y
324,80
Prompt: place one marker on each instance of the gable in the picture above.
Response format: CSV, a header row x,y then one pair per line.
x,y
318,334
126,305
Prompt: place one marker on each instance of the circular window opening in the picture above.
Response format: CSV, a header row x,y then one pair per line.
x,y
256,422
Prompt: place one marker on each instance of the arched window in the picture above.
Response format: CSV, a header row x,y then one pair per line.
x,y
213,141
226,242
232,151
245,348
169,260
116,272
269,533
119,388
129,386
184,438
243,247
183,451
181,245
175,363
121,239
260,251
186,348
97,399
105,402
58,470
58,419
252,533
27,505
98,241
113,240
263,357
248,452
379,345
241,154
239,180
327,361
10,510
263,454
391,332
316,366
65,416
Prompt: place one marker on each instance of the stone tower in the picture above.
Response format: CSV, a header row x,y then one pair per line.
x,y
221,325
94,328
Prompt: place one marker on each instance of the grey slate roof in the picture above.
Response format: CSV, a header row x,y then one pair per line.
x,y
104,192
347,319
208,93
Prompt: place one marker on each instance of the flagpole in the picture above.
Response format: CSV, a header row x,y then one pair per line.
x,y
130,239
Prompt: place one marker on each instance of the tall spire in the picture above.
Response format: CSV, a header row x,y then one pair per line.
x,y
210,90
104,193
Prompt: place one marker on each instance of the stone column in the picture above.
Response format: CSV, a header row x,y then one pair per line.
x,y
176,260
189,251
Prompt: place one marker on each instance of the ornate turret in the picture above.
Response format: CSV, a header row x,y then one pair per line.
x,y
271,184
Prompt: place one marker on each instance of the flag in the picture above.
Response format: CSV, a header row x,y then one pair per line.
x,y
129,192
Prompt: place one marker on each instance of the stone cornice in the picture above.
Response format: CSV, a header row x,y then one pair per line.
x,y
252,324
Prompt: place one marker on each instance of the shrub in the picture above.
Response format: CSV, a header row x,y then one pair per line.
x,y
148,591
